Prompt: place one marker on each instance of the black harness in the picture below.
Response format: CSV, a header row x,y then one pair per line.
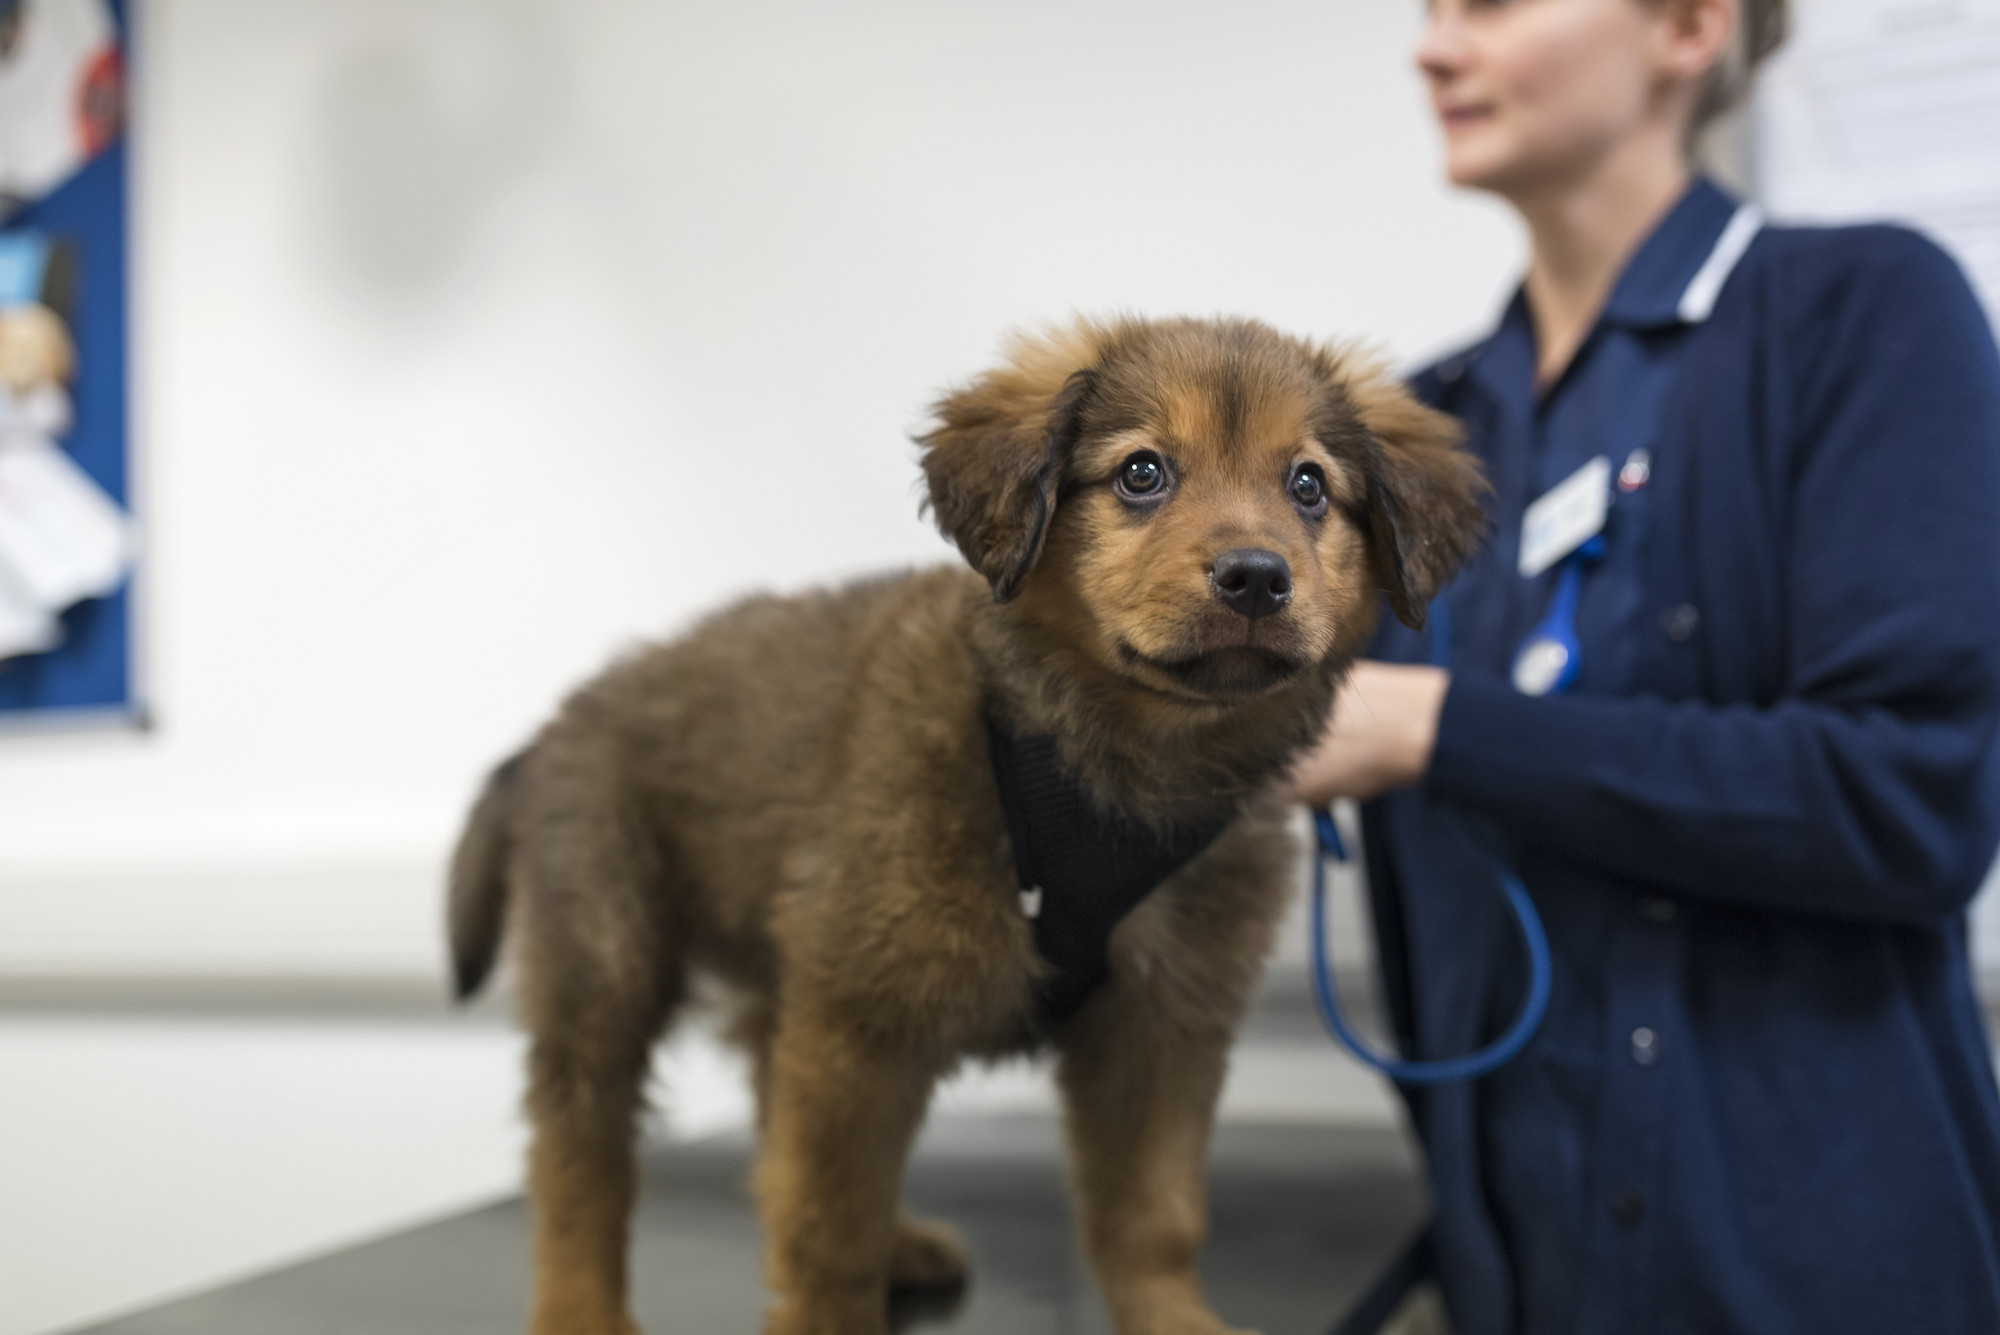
x,y
1080,871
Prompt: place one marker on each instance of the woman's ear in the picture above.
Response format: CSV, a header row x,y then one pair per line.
x,y
994,462
1425,493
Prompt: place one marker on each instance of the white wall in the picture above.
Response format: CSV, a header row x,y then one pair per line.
x,y
479,338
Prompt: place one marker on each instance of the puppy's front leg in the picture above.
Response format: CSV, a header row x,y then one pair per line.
x,y
1140,1100
841,1110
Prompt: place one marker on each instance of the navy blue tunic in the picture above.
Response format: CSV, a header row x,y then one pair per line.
x,y
1762,1100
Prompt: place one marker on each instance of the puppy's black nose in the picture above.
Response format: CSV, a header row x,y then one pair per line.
x,y
1251,580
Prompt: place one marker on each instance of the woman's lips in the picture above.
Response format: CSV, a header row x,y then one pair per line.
x,y
1460,116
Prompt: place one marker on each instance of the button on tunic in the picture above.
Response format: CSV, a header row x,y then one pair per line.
x,y
1762,1099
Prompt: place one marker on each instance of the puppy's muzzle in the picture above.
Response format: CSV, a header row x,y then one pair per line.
x,y
1252,580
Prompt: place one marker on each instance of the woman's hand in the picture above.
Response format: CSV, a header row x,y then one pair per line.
x,y
1381,735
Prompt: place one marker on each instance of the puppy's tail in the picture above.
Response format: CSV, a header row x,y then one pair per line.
x,y
476,912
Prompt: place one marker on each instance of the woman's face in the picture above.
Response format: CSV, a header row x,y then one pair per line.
x,y
1531,93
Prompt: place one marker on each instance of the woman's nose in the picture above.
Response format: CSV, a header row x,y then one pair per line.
x,y
1441,50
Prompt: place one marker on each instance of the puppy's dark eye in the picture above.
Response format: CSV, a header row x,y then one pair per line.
x,y
1142,475
1309,488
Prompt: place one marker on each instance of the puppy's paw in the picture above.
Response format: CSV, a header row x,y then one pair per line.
x,y
1205,1323
842,1313
1178,1310
928,1255
1197,1323
552,1319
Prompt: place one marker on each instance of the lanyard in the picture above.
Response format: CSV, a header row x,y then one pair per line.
x,y
1447,1070
1534,940
1547,661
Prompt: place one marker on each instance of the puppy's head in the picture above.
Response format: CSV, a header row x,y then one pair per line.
x,y
1206,507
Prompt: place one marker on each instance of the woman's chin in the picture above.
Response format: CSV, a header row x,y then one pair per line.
x,y
1476,167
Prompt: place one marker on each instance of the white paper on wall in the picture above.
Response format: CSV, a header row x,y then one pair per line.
x,y
61,538
26,627
47,127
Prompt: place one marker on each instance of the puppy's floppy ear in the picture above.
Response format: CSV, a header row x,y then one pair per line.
x,y
995,461
1424,492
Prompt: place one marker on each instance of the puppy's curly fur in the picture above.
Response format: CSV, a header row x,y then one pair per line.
x,y
795,800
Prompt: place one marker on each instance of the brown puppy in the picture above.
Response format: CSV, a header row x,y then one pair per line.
x,y
1185,529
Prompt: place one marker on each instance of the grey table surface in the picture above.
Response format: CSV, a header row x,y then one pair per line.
x,y
1301,1219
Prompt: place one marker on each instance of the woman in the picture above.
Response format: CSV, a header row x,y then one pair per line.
x,y
1754,789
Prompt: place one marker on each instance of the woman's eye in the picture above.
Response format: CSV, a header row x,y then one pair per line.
x,y
1141,475
1309,488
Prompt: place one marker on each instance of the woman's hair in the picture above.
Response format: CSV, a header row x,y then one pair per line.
x,y
1760,30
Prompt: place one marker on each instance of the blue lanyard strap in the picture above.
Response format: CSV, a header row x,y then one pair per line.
x,y
1547,661
1452,1069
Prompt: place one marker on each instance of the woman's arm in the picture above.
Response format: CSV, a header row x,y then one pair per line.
x,y
1802,806
1871,787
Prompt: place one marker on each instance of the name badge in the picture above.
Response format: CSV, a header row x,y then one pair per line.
x,y
1568,515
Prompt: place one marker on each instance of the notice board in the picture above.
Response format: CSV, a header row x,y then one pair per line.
x,y
67,538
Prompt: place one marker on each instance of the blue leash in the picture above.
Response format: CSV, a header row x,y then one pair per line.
x,y
1449,1070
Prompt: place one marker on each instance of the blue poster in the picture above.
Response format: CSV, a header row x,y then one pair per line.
x,y
67,543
